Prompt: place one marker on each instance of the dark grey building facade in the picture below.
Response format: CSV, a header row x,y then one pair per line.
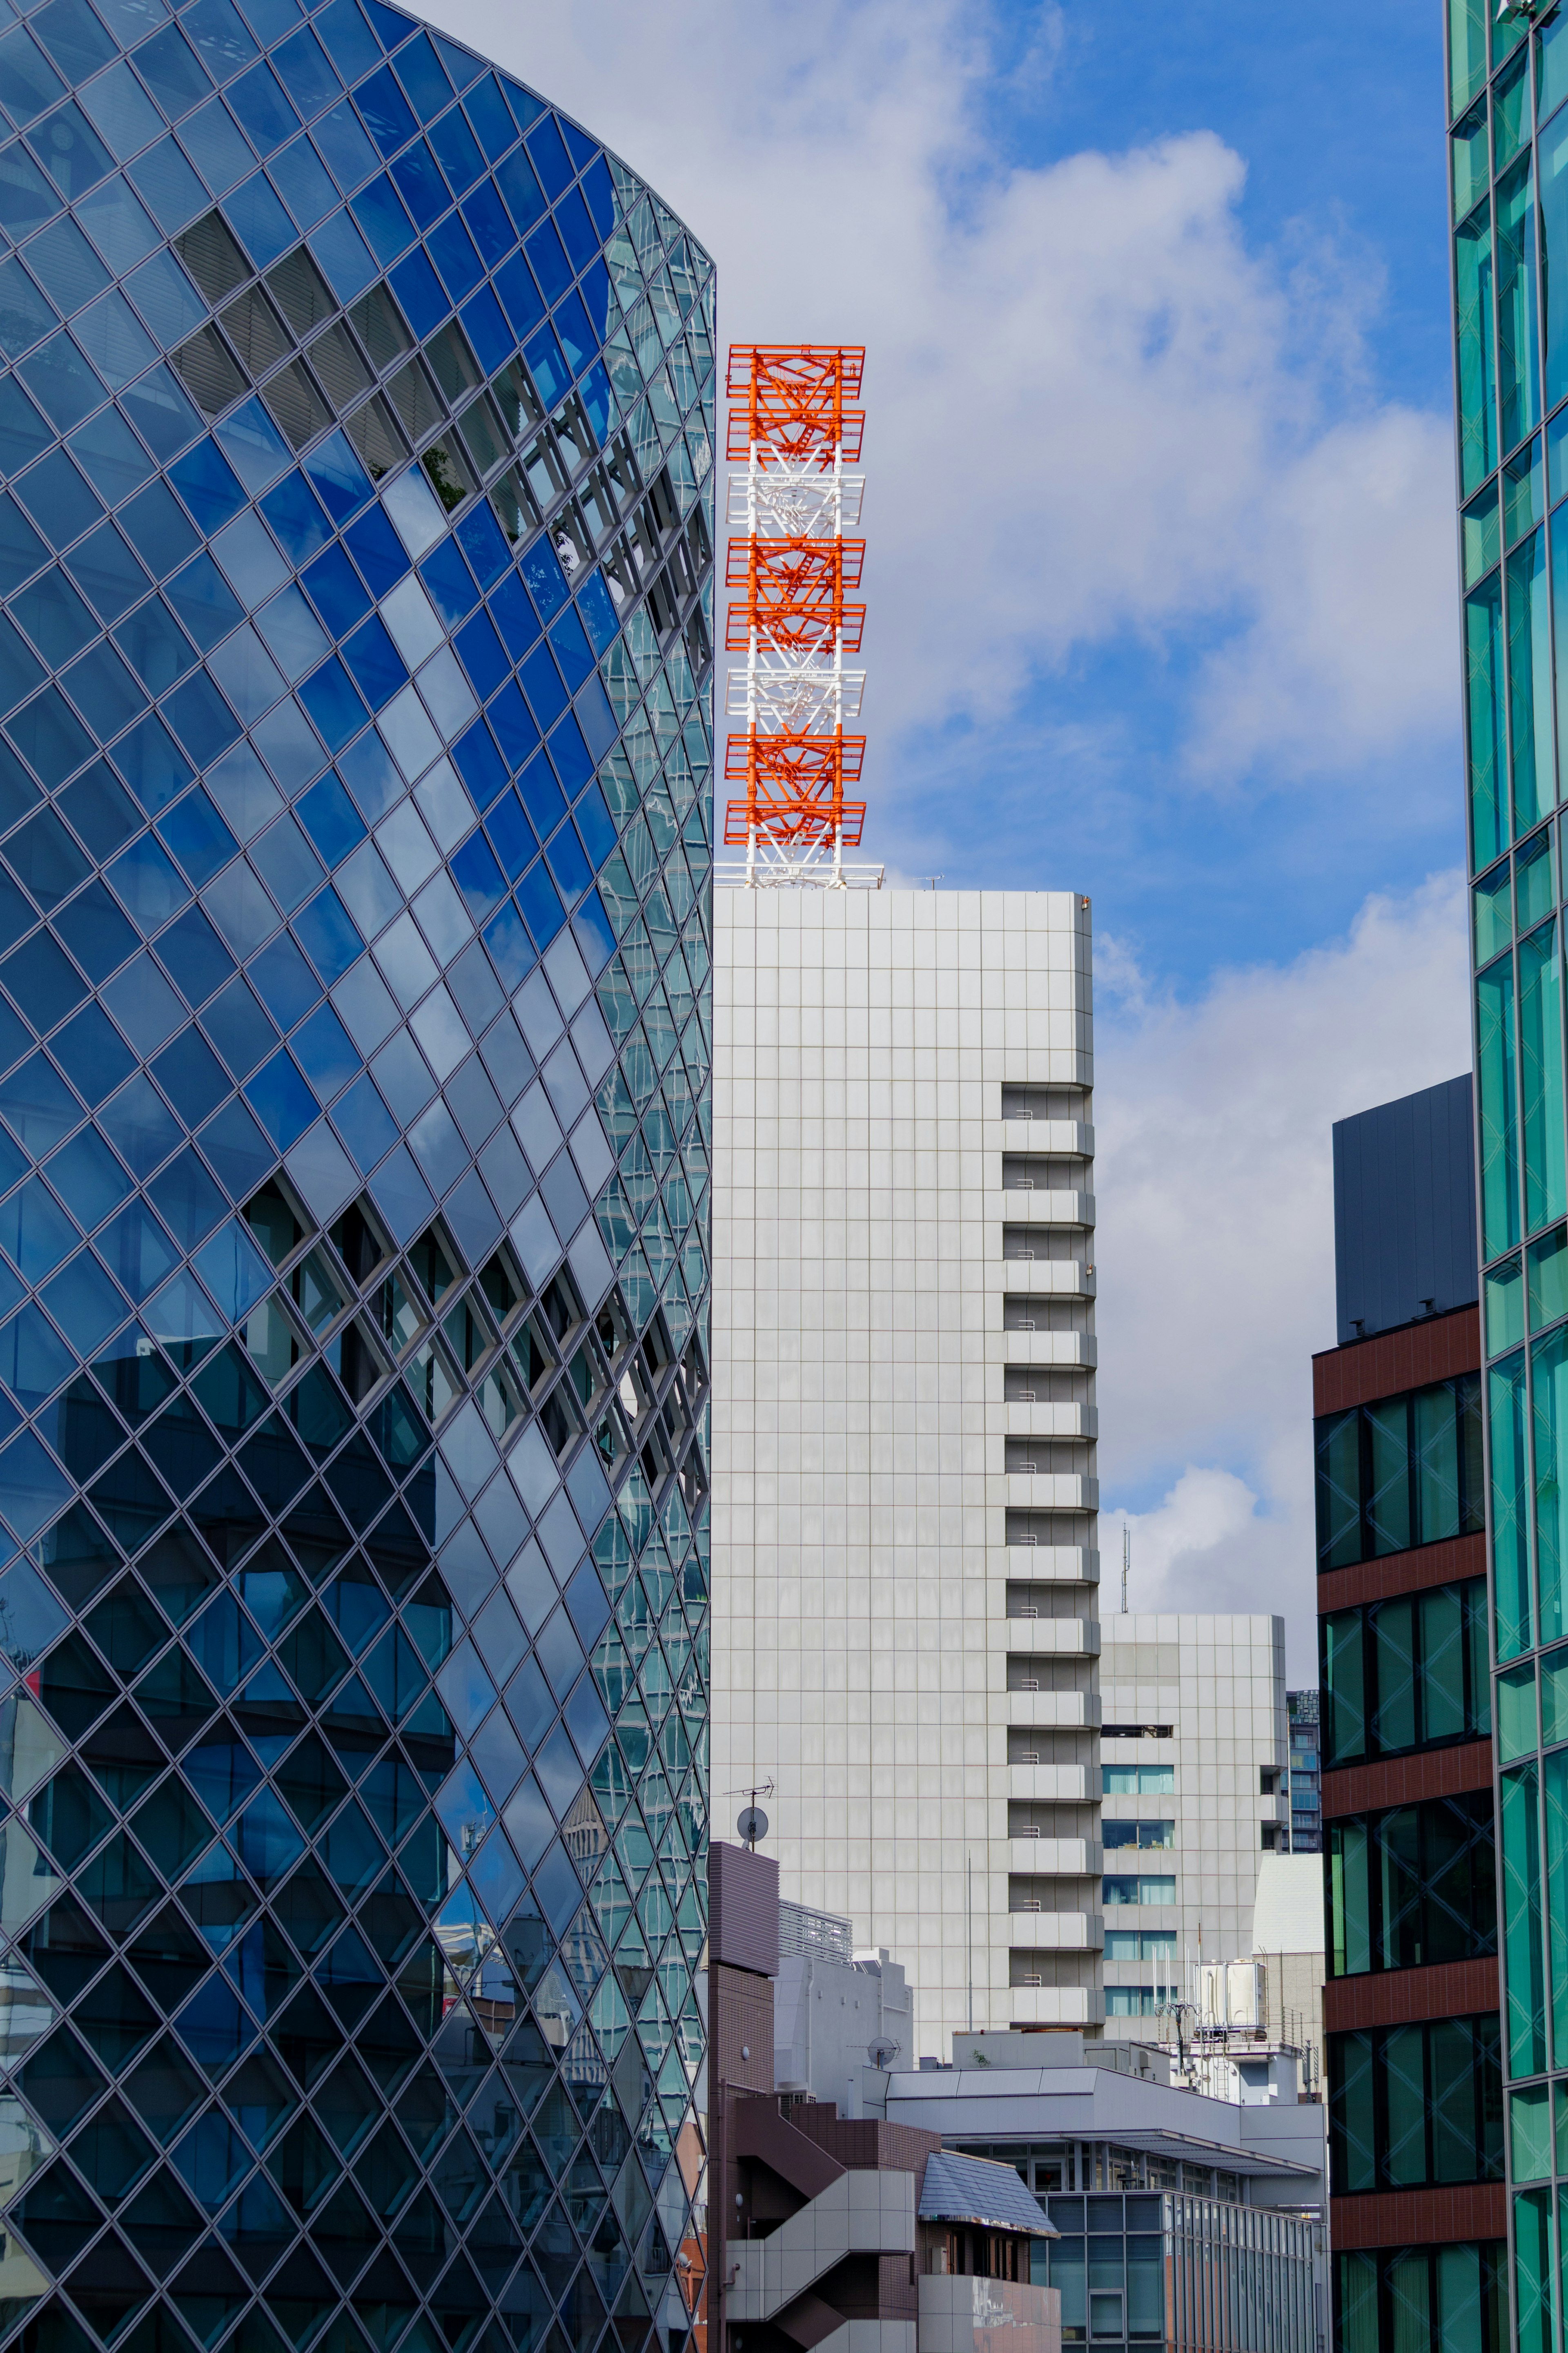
x,y
356,425
1404,1210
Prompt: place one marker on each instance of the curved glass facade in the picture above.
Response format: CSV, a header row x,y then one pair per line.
x,y
355,789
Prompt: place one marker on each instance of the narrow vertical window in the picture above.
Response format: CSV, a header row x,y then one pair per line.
x,y
1344,1697
1484,717
1532,765
1511,1542
1534,2330
1549,1397
1522,1924
1554,1796
1476,366
1498,1108
1519,383
1467,52
1554,256
1541,1077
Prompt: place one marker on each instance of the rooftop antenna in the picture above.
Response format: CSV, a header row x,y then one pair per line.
x,y
1126,1562
794,423
752,1822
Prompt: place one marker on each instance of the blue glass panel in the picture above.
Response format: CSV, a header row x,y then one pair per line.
x,y
590,926
201,719
598,300
152,763
489,224
262,107
329,936
71,152
540,904
478,877
418,291
568,864
340,480
524,304
383,220
297,518
253,445
542,795
448,579
376,663
366,1124
301,181
168,187
336,591
490,116
488,330
344,258
260,221
348,155
26,198
548,370
303,67
330,819
514,729
284,981
548,256
598,612
579,146
551,160
418,177
386,112
599,189
484,656
479,765
49,736
512,835
577,233
204,602
541,684
352,45
217,147
62,383
578,340
334,704
515,616
161,414
596,719
206,483
198,837
452,250
377,550
457,151
571,648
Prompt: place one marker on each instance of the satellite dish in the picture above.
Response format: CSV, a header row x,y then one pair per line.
x,y
752,1824
883,2054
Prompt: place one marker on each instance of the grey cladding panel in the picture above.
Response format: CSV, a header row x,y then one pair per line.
x,y
1404,1210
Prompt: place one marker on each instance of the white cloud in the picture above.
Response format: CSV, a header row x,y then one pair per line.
x,y
1092,408
1215,1246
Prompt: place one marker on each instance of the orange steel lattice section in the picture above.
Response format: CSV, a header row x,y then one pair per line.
x,y
794,421
791,400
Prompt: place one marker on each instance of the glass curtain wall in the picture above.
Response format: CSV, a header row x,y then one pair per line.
x,y
356,421
1508,85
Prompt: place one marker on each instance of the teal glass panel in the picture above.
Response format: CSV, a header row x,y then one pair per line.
x,y
1509,25
1510,1543
1497,1085
1471,163
1519,377
1554,152
1476,364
1541,1077
1516,1732
1550,67
1349,1900
1525,1959
1492,914
1532,2298
1530,2134
1549,1391
1555,1809
1533,768
1484,708
1505,1306
1345,1688
1482,534
1511,113
1533,891
1548,1262
1467,52
1356,2305
1524,493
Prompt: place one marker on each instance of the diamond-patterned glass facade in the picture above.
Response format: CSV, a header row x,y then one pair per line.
x,y
356,429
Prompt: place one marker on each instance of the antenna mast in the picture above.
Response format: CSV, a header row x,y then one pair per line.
x,y
793,427
1126,1562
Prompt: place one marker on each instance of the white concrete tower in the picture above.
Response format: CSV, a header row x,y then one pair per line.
x,y
904,1538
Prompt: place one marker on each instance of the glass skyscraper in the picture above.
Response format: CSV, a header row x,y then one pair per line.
x,y
1508,79
357,428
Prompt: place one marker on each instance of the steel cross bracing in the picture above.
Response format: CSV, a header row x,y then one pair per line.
x,y
793,556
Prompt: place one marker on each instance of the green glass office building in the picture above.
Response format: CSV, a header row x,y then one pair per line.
x,y
1507,81
356,433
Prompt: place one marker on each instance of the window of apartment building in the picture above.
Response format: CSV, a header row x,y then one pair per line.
x,y
1143,1835
1411,1887
1410,2106
1410,1673
1140,1780
1403,1471
1139,1945
1125,1887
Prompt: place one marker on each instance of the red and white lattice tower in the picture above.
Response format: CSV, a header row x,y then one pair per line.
x,y
793,424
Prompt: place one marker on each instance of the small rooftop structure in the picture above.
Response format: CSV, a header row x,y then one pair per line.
x,y
980,2190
